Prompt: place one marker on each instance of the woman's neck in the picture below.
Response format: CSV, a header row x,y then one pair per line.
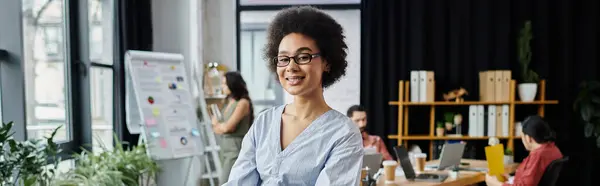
x,y
310,106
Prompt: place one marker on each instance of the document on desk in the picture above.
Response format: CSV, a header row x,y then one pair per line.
x,y
495,159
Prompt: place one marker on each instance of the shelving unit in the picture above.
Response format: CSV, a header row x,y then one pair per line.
x,y
404,105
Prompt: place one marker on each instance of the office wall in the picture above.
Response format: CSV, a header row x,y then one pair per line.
x,y
176,29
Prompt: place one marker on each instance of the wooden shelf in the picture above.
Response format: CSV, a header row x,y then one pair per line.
x,y
404,105
441,138
545,102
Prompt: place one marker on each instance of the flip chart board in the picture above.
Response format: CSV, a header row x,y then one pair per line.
x,y
160,105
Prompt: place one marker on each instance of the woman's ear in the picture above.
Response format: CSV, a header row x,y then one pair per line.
x,y
326,67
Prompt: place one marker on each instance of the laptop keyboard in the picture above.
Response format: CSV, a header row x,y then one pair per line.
x,y
428,176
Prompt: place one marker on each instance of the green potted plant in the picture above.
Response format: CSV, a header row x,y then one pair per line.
x,y
508,156
27,163
529,78
117,167
439,130
587,105
449,120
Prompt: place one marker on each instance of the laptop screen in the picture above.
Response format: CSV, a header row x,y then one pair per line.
x,y
404,159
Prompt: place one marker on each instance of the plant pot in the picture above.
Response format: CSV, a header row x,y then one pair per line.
x,y
527,91
440,132
449,126
508,159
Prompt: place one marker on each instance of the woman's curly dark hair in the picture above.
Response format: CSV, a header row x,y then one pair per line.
x,y
322,28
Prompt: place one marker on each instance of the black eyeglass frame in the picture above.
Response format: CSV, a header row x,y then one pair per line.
x,y
311,57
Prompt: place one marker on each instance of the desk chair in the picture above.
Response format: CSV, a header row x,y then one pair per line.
x,y
552,172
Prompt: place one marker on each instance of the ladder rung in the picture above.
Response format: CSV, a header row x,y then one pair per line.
x,y
213,175
212,148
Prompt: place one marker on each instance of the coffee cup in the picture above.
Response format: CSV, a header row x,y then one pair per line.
x,y
389,168
420,158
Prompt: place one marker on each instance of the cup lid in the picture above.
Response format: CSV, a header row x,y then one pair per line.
x,y
389,163
420,155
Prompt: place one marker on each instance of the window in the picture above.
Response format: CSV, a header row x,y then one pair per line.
x,y
60,71
100,16
264,90
44,67
53,40
294,2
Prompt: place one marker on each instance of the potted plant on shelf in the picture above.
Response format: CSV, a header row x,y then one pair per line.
x,y
439,130
508,156
529,78
587,105
449,121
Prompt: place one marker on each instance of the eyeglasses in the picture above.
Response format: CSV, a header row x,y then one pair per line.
x,y
300,59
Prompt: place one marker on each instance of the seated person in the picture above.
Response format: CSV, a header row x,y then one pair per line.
x,y
358,114
538,138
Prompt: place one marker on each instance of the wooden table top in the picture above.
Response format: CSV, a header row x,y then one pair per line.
x,y
464,178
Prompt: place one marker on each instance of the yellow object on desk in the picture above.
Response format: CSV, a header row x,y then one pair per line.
x,y
495,159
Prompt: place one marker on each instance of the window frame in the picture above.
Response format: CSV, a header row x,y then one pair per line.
x,y
77,73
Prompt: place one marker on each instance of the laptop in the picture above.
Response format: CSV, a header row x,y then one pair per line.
x,y
409,172
373,161
451,155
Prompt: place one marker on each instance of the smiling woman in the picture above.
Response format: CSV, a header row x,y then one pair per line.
x,y
305,142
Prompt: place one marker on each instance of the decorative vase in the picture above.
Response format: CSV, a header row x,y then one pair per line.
x,y
508,159
527,91
439,131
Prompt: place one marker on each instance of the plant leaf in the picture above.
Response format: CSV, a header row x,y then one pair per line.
x,y
595,99
587,110
593,85
588,129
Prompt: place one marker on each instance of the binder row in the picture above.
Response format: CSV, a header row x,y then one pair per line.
x,y
494,85
422,87
493,121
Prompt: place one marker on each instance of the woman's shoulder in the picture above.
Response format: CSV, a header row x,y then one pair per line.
x,y
341,121
340,126
266,115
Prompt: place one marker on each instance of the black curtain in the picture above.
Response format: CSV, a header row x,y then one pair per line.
x,y
458,38
134,28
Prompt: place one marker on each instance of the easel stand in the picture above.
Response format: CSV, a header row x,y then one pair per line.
x,y
161,109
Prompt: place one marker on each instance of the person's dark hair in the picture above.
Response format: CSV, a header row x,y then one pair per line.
x,y
538,129
237,86
322,28
354,108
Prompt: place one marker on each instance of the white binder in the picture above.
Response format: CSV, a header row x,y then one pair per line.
x,y
480,121
473,121
414,86
505,122
491,125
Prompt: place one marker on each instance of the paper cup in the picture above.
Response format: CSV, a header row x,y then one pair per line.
x,y
389,168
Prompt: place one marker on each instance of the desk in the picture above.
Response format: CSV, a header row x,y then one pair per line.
x,y
464,178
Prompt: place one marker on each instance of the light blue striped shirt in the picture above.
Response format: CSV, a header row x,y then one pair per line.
x,y
328,152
